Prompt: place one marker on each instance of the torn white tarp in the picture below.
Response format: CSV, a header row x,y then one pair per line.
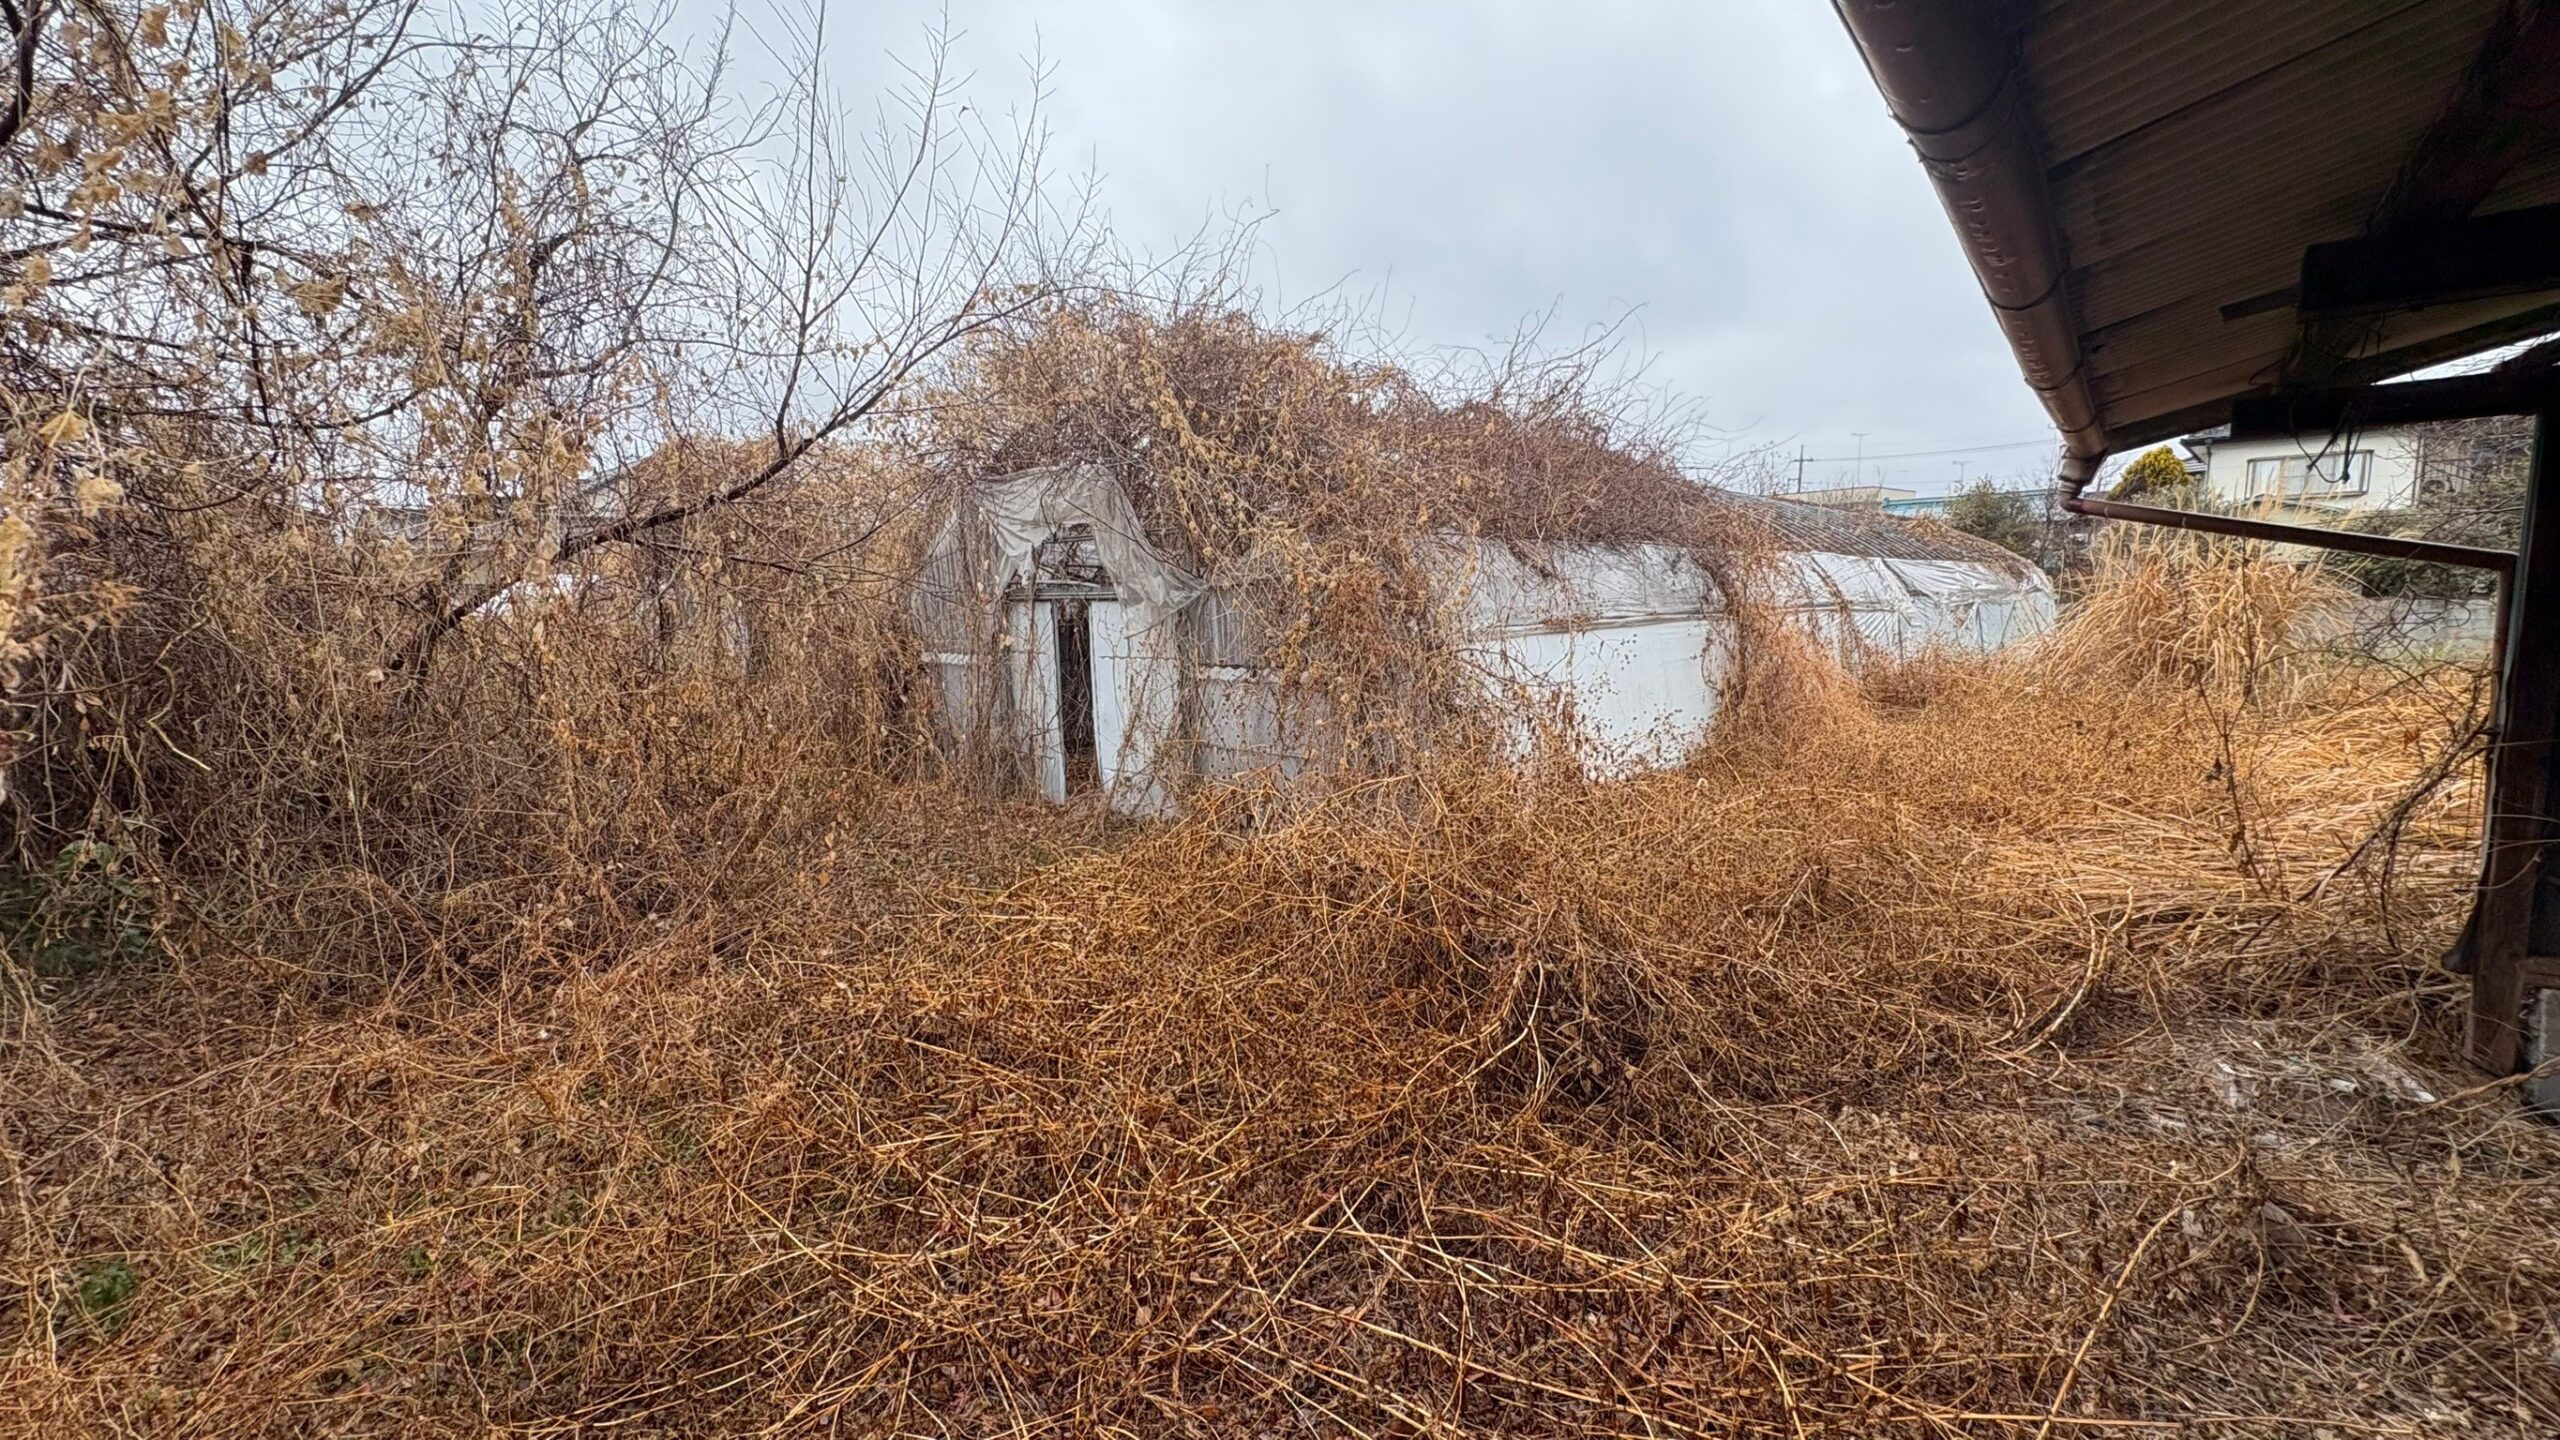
x,y
982,580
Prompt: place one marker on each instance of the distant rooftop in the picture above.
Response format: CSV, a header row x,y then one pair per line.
x,y
1832,530
1851,497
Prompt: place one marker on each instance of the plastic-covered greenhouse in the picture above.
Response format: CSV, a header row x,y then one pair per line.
x,y
1068,645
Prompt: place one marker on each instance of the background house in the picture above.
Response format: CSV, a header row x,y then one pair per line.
x,y
1854,497
2432,477
2314,479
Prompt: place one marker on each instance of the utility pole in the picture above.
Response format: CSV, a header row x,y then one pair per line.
x,y
1859,475
1799,469
1960,474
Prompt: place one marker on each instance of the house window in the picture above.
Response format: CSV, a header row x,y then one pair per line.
x,y
2311,477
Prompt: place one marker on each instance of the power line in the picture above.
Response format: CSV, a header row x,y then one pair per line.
x,y
1928,454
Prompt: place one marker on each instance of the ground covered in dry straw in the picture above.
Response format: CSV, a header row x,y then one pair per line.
x,y
2037,1046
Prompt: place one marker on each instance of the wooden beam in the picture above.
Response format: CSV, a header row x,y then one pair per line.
x,y
2507,390
2435,263
2520,772
2505,111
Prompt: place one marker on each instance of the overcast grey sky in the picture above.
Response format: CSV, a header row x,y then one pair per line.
x,y
1723,170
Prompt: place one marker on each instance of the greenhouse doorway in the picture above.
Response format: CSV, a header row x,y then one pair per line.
x,y
1075,696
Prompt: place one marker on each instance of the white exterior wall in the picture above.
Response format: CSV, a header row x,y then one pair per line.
x,y
1634,694
2391,477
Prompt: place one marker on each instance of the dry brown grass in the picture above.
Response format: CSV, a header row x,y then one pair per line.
x,y
2017,1047
525,972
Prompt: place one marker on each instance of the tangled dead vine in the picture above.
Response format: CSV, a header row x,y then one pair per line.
x,y
615,1024
1938,1070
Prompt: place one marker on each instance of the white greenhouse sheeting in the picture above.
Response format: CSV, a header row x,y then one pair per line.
x,y
1629,645
1632,644
1635,694
1518,589
1903,607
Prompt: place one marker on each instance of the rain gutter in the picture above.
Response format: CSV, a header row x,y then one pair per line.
x,y
1951,80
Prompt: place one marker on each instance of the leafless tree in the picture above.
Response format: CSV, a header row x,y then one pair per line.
x,y
332,260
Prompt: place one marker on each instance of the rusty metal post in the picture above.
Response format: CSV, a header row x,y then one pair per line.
x,y
2277,532
2520,773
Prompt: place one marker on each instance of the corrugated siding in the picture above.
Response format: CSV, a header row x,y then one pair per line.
x,y
1817,528
2306,149
2197,149
2104,69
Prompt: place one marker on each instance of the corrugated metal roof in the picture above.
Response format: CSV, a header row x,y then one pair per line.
x,y
2287,142
1822,529
2261,161
2118,68
2191,151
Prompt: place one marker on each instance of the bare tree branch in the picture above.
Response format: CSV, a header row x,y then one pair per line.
x,y
26,32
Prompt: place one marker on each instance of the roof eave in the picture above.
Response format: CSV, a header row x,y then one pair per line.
x,y
1951,81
